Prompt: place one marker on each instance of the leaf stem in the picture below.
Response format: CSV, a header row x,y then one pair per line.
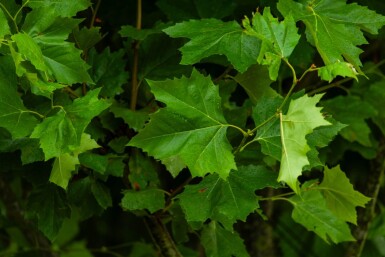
x,y
94,12
135,67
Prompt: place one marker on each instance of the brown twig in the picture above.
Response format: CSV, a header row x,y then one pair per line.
x,y
135,66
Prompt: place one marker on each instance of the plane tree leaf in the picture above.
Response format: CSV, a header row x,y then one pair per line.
x,y
310,210
191,128
301,119
340,196
210,36
151,199
226,201
62,8
278,38
334,27
219,242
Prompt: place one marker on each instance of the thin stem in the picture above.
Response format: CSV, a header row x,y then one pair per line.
x,y
265,122
278,197
326,87
135,67
36,113
94,12
244,133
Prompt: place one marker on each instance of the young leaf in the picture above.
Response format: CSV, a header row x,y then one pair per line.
x,y
330,71
301,119
210,36
226,201
219,242
340,196
334,27
48,204
191,129
150,199
310,210
278,38
62,169
13,115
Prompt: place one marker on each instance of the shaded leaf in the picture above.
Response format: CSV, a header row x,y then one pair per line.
x,y
102,194
4,29
134,119
150,199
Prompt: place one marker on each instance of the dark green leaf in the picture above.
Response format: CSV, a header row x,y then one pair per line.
x,y
102,194
210,36
134,119
150,199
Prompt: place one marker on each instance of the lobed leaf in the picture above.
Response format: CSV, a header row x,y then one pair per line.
x,y
191,130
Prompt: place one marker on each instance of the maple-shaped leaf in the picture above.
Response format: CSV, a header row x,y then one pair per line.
x,y
226,201
65,164
344,69
334,27
64,8
301,119
310,210
191,129
48,206
211,36
341,198
353,111
278,38
13,115
219,242
62,132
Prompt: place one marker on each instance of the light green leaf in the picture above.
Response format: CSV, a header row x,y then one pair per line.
x,y
30,51
341,198
191,128
150,199
344,69
62,169
256,82
48,204
41,87
301,119
94,161
219,242
226,201
64,8
13,115
65,164
334,27
278,38
211,36
310,210
353,111
4,28
108,71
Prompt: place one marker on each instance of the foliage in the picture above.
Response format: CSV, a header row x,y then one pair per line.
x,y
179,134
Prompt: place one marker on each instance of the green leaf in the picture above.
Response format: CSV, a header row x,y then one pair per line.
x,y
102,194
143,171
64,8
226,201
278,38
42,87
256,82
219,242
48,204
4,29
150,199
134,119
344,69
211,36
301,119
65,64
85,38
65,164
62,169
191,129
141,34
108,71
268,135
13,115
94,161
311,211
353,111
334,27
187,9
340,196
374,96
30,50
